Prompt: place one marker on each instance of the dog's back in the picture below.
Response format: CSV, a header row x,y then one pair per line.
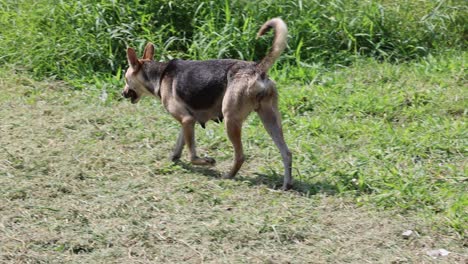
x,y
200,83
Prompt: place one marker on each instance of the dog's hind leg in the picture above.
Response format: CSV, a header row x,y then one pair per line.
x,y
179,146
271,120
235,111
234,131
188,128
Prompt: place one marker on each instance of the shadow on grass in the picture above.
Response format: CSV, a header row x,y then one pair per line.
x,y
271,180
275,181
207,171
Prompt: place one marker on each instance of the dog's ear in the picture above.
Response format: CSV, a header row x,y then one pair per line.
x,y
132,59
148,54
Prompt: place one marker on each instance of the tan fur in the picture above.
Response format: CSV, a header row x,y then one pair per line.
x,y
279,42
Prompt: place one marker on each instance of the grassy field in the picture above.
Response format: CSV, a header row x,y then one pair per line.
x,y
378,149
373,96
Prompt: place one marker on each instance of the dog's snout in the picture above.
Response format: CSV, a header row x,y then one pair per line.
x,y
130,94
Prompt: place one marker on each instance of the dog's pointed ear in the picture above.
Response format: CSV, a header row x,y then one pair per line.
x,y
132,59
148,54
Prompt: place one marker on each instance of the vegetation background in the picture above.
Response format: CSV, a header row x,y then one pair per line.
x,y
71,40
373,97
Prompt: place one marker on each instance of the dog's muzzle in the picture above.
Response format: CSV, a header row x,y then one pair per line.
x,y
130,94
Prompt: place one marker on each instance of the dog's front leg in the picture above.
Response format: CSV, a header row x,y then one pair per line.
x,y
179,146
188,128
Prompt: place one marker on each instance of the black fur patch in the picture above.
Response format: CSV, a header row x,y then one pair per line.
x,y
130,94
200,83
151,72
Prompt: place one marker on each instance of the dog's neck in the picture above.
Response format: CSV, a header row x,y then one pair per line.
x,y
152,72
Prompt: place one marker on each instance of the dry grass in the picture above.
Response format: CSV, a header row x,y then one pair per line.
x,y
82,181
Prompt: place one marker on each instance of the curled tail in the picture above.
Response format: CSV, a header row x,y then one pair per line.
x,y
279,42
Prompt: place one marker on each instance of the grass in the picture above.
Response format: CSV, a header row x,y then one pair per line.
x,y
75,40
379,148
373,98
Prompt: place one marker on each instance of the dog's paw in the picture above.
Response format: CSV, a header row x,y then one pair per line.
x,y
175,158
209,161
204,161
286,187
228,175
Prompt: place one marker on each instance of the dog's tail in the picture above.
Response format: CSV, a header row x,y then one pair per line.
x,y
279,42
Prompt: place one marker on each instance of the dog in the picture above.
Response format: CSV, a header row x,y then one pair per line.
x,y
200,91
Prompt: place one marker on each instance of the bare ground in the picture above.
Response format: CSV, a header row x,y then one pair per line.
x,y
83,181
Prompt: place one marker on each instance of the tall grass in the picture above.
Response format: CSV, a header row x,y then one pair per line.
x,y
79,39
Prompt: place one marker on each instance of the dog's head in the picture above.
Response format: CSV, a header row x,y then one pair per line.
x,y
136,82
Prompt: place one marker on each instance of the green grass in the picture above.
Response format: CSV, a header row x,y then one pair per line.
x,y
392,135
81,39
378,149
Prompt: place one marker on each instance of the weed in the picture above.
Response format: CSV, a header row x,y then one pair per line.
x,y
77,40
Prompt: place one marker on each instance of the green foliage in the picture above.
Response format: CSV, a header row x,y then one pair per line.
x,y
392,135
79,39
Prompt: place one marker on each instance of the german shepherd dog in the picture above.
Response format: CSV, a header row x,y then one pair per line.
x,y
199,91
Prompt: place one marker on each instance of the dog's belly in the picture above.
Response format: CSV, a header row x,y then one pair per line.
x,y
204,115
